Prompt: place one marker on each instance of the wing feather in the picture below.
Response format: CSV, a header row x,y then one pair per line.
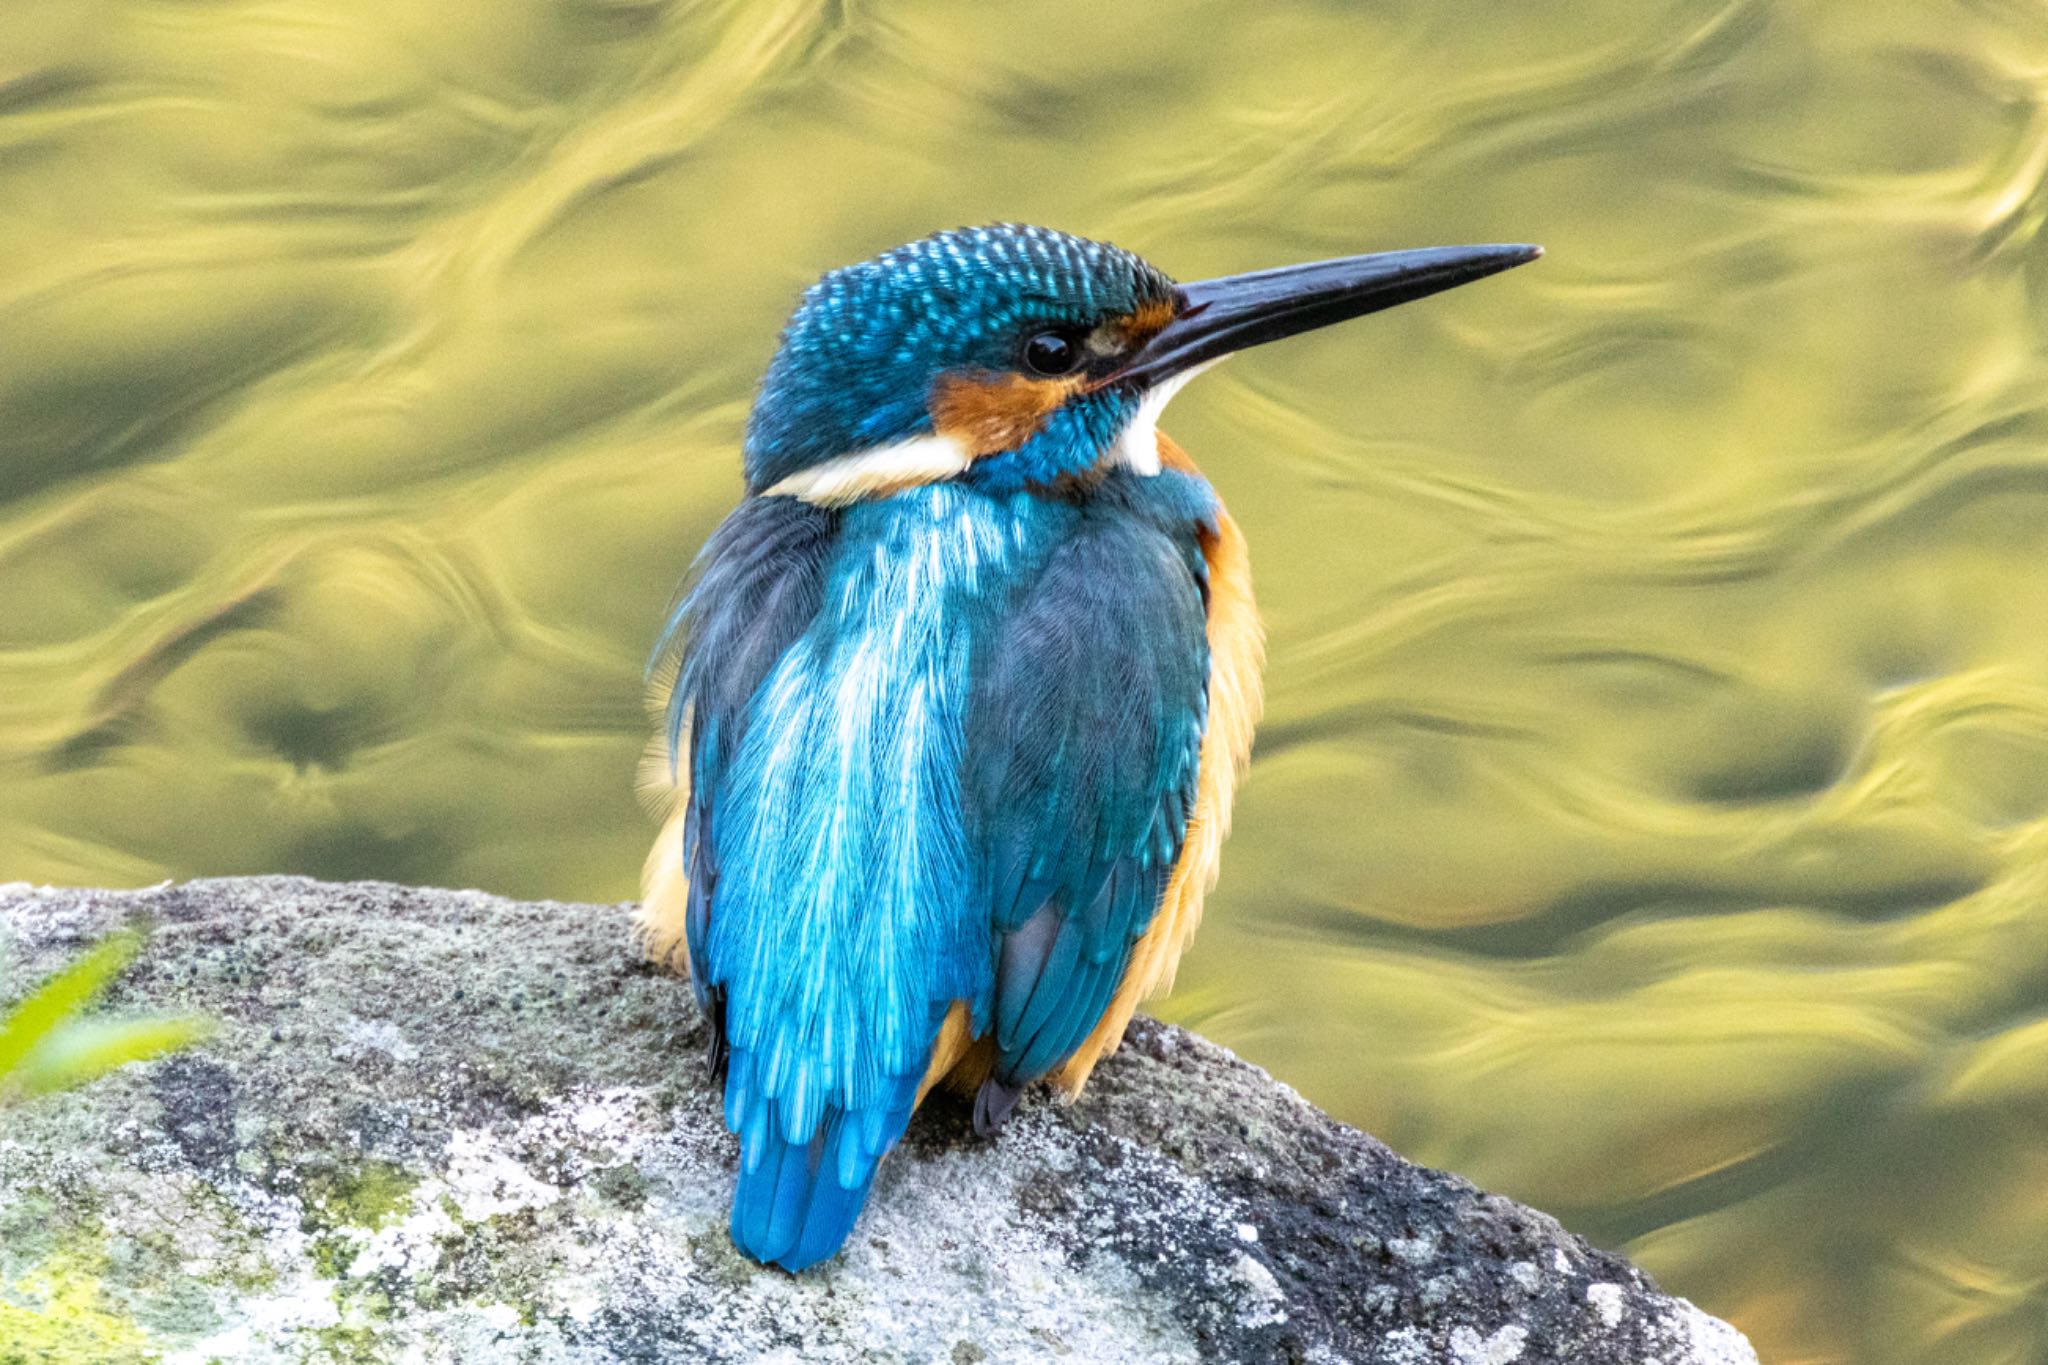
x,y
1081,762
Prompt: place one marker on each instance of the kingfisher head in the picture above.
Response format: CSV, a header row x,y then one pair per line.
x,y
1012,357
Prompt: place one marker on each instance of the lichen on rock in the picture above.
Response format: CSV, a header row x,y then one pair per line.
x,y
441,1126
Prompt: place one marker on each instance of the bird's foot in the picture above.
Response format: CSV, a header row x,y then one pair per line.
x,y
993,1105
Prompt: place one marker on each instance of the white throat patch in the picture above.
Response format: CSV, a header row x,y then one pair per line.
x,y
1137,449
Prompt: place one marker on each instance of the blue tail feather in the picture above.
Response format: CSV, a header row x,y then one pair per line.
x,y
798,1203
834,1209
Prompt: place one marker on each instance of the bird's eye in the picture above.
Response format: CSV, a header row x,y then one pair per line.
x,y
1052,354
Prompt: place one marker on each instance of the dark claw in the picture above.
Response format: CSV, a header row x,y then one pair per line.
x,y
993,1105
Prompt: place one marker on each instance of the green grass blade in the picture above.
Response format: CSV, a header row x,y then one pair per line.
x,y
82,1050
63,995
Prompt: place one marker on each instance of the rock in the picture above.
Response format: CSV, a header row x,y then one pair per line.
x,y
441,1126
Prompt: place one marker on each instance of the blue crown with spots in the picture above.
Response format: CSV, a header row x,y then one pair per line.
x,y
861,354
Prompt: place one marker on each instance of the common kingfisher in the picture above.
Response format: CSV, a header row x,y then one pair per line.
x,y
955,701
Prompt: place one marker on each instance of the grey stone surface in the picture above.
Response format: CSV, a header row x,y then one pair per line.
x,y
442,1126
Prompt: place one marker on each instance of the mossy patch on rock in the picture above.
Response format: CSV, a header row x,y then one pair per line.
x,y
56,1311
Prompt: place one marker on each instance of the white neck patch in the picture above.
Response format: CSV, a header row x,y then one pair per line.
x,y
1137,449
882,469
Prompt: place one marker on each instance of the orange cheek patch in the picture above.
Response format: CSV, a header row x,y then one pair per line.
x,y
1122,335
1149,319
991,413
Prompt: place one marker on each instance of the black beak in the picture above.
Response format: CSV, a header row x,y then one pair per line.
x,y
1215,318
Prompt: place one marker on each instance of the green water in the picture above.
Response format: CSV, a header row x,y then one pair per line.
x,y
1651,818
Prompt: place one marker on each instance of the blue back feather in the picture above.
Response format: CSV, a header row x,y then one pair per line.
x,y
755,587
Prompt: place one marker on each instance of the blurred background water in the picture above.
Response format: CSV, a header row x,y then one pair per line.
x,y
1651,821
